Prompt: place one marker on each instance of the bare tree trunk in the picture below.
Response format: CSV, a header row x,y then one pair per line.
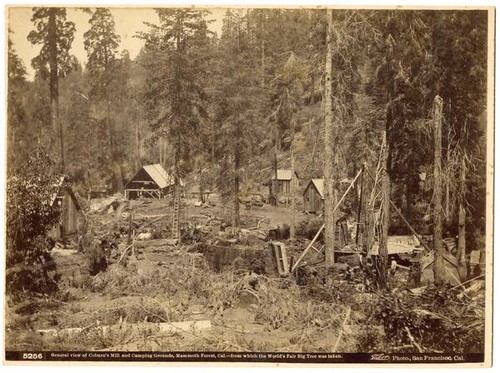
x,y
310,49
11,144
274,180
236,218
177,160
165,151
213,142
461,215
313,155
367,237
138,162
384,217
292,184
57,128
439,266
369,232
262,64
447,181
61,134
112,149
201,184
328,162
404,197
359,229
160,151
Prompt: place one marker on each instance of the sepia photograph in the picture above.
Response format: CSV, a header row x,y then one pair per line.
x,y
245,185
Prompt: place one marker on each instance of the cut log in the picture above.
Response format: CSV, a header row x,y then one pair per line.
x,y
156,243
162,328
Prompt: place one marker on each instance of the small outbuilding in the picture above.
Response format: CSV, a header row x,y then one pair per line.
x,y
70,212
284,182
313,196
151,181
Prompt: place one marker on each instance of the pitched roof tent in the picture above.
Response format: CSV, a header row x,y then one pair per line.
x,y
159,175
284,175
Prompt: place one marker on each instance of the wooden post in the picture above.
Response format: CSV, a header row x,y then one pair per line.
x,y
328,162
384,218
360,205
130,220
439,266
461,215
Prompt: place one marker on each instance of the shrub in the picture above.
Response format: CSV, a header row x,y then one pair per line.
x,y
308,229
438,320
31,214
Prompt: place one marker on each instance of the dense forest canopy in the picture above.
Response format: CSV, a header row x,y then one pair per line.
x,y
236,103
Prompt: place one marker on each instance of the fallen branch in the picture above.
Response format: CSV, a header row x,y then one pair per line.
x,y
456,279
124,252
413,341
151,216
466,282
342,329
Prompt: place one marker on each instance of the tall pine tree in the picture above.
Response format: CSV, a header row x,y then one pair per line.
x,y
176,63
17,130
55,34
101,43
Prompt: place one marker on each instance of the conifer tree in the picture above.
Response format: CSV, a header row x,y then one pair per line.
x,y
55,34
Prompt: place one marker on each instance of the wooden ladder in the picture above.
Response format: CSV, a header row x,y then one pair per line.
x,y
279,250
175,218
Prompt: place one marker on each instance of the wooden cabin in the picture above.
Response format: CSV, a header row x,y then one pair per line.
x,y
70,213
313,196
284,182
151,181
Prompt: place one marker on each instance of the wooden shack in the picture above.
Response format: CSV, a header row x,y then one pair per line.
x,y
284,182
151,181
313,196
70,213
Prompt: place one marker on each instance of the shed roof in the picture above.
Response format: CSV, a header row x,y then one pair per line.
x,y
284,175
319,184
